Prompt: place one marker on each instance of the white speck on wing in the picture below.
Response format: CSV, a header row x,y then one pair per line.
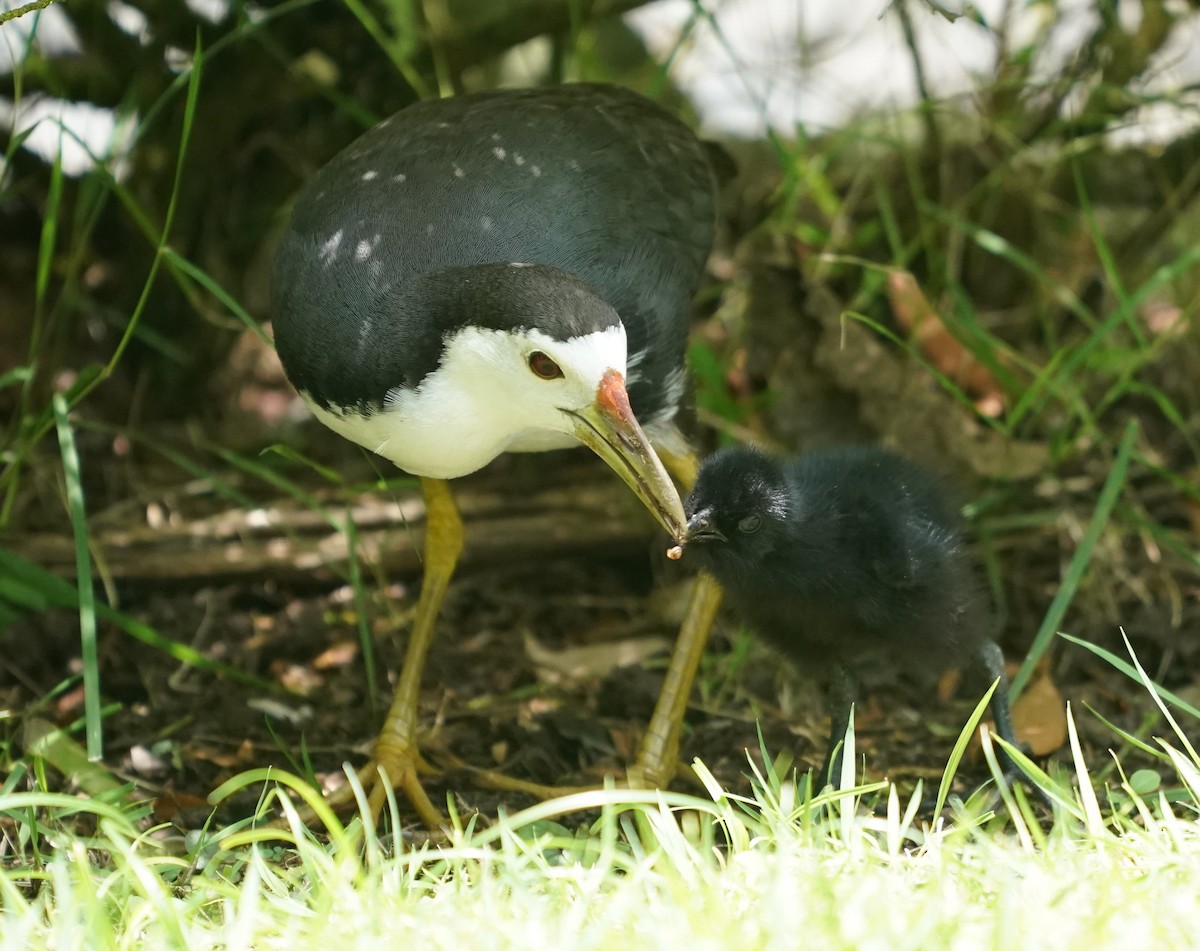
x,y
635,359
499,153
485,223
674,386
370,175
518,158
537,172
330,248
400,178
365,248
458,172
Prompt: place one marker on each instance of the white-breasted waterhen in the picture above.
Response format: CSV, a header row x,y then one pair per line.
x,y
504,272
840,555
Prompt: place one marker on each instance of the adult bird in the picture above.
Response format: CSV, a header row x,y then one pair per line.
x,y
839,555
503,272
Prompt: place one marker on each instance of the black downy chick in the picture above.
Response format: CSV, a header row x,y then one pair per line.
x,y
839,555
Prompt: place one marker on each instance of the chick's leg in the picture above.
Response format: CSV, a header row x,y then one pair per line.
x,y
991,658
841,696
658,757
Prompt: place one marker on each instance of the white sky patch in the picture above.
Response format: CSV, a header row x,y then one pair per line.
x,y
129,19
56,34
214,11
78,131
781,64
785,64
178,59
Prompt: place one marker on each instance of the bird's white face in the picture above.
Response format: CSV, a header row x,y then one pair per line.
x,y
503,391
494,391
526,385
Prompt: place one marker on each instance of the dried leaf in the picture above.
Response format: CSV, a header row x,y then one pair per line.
x,y
593,660
240,758
904,410
1039,715
43,739
340,654
171,804
917,315
278,710
947,683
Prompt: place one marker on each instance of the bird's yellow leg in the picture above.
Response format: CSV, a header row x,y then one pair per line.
x,y
658,756
396,753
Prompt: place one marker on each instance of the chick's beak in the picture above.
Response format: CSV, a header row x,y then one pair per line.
x,y
609,428
702,528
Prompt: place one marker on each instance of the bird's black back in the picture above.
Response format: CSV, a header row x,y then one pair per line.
x,y
860,551
592,179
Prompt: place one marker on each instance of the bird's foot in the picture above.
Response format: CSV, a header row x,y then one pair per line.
x,y
397,765
649,776
501,782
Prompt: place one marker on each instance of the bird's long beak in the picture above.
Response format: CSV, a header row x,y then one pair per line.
x,y
609,428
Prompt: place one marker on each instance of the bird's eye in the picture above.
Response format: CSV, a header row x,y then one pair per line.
x,y
543,367
750,524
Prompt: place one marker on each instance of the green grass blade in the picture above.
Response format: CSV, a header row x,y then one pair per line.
x,y
1092,818
1129,671
83,580
365,642
217,291
960,747
1125,735
1149,685
14,376
1109,494
61,594
330,475
189,118
1112,273
394,47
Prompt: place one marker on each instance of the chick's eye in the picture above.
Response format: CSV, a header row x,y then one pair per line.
x,y
750,524
543,367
